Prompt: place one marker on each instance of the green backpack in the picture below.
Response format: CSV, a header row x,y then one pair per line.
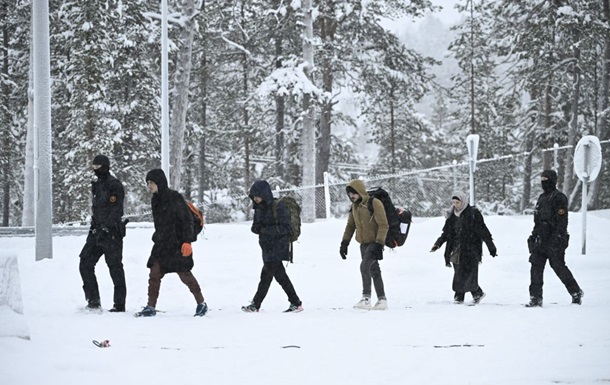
x,y
295,217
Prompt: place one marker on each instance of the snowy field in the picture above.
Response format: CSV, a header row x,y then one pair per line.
x,y
423,338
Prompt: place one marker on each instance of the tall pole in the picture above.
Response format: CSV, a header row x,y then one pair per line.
x,y
42,127
164,93
309,133
585,182
584,215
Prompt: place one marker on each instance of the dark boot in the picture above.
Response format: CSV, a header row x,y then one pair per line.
x,y
118,309
534,302
577,297
477,296
94,304
458,298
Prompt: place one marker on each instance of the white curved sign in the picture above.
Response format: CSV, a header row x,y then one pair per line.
x,y
588,158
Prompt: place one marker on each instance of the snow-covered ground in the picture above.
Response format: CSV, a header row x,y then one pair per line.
x,y
422,339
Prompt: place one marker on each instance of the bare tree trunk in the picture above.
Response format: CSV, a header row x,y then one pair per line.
x,y
308,138
392,132
27,218
568,181
280,105
202,148
181,93
203,181
328,27
246,127
603,127
5,120
548,110
527,171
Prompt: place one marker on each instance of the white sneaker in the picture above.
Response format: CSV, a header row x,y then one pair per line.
x,y
364,304
381,304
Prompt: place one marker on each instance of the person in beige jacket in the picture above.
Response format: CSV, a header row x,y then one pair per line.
x,y
369,222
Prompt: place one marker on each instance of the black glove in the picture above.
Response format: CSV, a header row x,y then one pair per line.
x,y
256,229
343,249
434,248
532,242
376,250
492,250
102,235
448,264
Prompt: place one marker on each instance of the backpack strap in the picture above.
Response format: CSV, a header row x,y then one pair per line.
x,y
369,205
274,209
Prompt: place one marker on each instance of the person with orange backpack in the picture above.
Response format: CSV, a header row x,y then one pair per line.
x,y
172,251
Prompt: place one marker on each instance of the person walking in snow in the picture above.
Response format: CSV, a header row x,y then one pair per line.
x,y
105,237
549,240
172,251
272,225
371,228
465,231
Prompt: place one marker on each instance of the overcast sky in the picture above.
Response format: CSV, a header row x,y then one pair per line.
x,y
449,13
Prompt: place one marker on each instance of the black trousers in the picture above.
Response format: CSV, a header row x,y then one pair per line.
x,y
112,249
275,270
557,260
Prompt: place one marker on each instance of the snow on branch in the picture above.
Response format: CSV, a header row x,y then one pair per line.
x,y
290,79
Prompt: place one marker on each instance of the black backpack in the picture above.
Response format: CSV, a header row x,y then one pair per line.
x,y
197,218
398,219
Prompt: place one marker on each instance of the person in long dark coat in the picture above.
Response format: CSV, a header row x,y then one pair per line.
x,y
105,237
272,225
465,231
172,251
549,240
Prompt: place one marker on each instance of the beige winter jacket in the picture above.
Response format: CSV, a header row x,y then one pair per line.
x,y
369,228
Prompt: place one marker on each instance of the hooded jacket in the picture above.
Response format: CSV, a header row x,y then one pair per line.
x,y
368,227
273,233
173,226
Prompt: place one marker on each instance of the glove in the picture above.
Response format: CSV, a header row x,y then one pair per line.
x,y
448,264
531,243
343,249
256,229
377,250
187,249
434,248
493,251
102,234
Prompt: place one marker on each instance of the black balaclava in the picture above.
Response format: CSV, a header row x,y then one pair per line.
x,y
101,160
549,184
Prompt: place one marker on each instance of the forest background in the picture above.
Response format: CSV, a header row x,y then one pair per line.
x,y
393,87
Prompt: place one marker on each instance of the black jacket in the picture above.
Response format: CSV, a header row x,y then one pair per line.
x,y
468,231
173,227
551,220
107,229
107,205
273,231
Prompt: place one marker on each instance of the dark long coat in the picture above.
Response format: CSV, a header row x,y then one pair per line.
x,y
173,227
273,231
468,231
